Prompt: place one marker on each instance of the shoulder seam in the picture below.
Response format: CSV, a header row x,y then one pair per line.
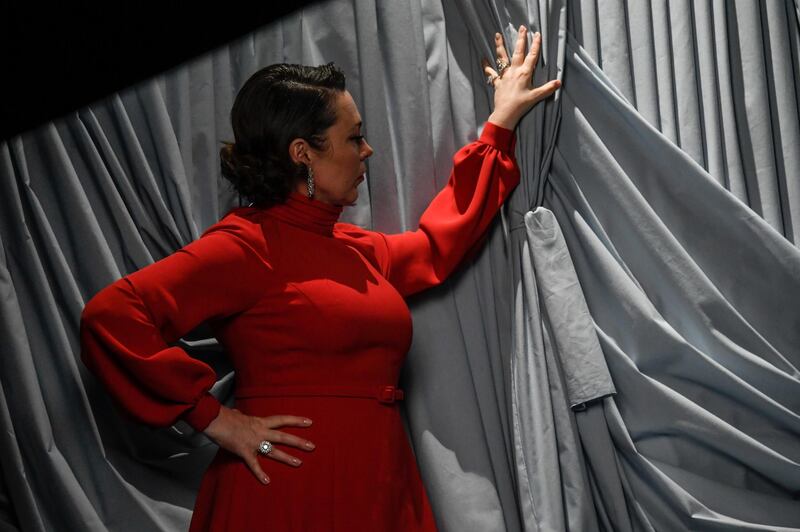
x,y
260,252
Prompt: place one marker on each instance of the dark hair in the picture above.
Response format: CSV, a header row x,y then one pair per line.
x,y
276,105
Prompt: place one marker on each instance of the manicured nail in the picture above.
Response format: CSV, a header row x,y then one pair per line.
x,y
537,34
309,445
265,480
307,421
296,461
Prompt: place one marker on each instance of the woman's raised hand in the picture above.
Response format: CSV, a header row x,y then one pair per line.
x,y
513,94
241,434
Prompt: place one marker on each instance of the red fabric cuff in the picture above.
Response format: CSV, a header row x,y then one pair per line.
x,y
203,412
501,138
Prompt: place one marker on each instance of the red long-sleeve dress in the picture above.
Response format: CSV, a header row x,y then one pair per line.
x,y
311,313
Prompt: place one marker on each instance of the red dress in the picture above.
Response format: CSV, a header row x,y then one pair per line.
x,y
311,313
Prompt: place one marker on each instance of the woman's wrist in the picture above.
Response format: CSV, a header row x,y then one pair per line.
x,y
212,430
503,120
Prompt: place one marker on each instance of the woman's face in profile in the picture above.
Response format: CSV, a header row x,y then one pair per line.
x,y
339,169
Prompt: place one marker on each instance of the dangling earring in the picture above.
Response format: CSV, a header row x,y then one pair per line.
x,y
310,182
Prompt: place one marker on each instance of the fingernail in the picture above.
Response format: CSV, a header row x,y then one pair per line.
x,y
496,35
522,27
296,461
307,421
536,34
265,480
309,445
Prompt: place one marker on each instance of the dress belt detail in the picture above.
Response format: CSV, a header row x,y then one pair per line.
x,y
384,393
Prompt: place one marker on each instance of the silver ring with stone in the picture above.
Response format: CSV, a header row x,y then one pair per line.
x,y
265,447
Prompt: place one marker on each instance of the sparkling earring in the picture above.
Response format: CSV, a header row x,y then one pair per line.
x,y
310,182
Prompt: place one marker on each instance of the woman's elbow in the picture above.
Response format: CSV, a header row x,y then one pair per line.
x,y
99,305
98,321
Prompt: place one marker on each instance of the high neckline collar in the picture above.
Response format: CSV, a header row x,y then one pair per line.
x,y
306,213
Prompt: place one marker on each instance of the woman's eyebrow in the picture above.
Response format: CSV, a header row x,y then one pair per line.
x,y
358,125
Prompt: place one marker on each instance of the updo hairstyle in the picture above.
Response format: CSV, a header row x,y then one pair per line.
x,y
276,105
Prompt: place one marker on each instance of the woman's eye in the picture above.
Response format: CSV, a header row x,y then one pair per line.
x,y
358,138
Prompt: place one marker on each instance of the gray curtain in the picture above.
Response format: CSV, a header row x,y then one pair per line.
x,y
621,355
690,290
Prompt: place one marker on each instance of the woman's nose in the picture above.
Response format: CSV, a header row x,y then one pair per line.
x,y
368,150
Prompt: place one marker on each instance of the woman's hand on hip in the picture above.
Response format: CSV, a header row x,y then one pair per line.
x,y
513,93
242,434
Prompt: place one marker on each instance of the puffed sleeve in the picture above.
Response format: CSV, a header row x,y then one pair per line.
x,y
453,226
126,329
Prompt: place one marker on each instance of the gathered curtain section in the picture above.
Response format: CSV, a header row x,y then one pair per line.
x,y
623,352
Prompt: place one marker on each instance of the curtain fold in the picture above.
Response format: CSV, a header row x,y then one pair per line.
x,y
720,79
668,227
700,341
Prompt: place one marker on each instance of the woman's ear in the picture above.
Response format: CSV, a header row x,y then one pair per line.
x,y
298,151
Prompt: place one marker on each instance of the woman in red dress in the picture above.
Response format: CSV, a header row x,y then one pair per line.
x,y
310,310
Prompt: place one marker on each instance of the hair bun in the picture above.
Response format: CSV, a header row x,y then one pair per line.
x,y
237,166
252,176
